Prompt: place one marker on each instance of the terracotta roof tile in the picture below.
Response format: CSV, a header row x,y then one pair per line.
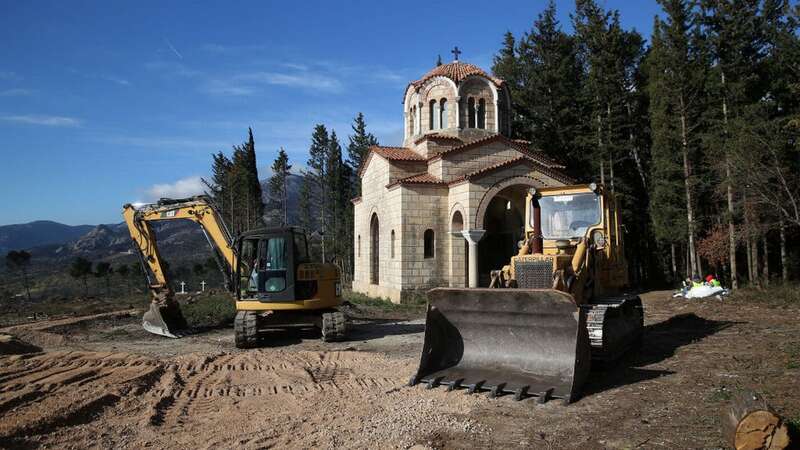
x,y
521,146
437,136
524,159
456,71
397,153
420,178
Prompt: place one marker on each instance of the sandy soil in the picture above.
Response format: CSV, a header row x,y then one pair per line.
x,y
100,381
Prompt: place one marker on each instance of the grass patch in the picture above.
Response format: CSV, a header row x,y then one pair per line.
x,y
722,394
209,311
371,307
784,295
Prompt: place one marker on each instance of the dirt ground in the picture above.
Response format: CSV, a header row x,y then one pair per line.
x,y
101,382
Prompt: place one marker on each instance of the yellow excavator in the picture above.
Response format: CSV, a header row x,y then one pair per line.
x,y
557,306
268,271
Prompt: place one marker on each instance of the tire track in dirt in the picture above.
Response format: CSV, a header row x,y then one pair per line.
x,y
70,392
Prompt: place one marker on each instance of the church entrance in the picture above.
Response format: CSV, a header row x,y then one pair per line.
x,y
505,226
374,249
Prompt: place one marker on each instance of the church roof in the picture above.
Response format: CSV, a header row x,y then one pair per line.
x,y
558,175
456,71
521,146
436,137
392,154
420,178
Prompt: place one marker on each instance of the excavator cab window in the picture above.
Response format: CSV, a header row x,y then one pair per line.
x,y
273,264
263,265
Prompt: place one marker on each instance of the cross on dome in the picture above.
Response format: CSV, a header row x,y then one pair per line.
x,y
455,51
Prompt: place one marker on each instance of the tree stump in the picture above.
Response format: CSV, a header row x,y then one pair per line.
x,y
751,424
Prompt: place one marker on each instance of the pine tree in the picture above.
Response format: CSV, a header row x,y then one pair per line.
x,y
277,183
506,66
235,187
360,142
677,72
317,178
734,32
546,105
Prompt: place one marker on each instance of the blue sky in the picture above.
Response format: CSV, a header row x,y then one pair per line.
x,y
103,103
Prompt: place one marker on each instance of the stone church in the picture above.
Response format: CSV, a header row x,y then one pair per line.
x,y
447,207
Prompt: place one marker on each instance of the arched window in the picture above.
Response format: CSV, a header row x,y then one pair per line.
x,y
392,246
443,113
432,115
471,112
482,114
411,129
428,243
358,249
374,249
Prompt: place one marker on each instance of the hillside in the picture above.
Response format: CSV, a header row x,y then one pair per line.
x,y
38,233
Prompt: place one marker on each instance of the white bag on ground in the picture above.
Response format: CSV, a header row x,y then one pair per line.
x,y
704,291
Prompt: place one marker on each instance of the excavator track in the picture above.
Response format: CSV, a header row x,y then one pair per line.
x,y
614,326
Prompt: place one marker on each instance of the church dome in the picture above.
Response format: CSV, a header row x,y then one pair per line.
x,y
456,71
456,100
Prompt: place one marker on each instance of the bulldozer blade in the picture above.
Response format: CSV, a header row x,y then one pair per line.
x,y
515,341
164,320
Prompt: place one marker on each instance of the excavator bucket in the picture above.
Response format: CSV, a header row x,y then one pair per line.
x,y
517,341
164,318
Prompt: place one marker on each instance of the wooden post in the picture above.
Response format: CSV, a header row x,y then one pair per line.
x,y
750,423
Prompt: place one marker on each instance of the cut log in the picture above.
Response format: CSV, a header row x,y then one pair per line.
x,y
751,424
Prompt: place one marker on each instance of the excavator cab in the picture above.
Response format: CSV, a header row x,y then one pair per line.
x,y
268,264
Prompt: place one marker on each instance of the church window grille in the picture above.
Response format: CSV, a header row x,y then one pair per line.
x,y
471,112
432,115
429,241
482,114
443,113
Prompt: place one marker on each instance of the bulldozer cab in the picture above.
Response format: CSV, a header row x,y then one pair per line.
x,y
267,265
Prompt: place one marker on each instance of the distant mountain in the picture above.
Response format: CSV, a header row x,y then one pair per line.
x,y
42,232
274,216
183,240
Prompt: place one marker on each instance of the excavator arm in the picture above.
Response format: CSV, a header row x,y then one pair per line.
x,y
165,317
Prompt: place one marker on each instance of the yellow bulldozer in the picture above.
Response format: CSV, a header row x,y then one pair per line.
x,y
558,305
268,271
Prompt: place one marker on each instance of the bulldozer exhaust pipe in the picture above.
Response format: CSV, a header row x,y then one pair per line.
x,y
525,342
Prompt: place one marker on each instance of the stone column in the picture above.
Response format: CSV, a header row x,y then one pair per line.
x,y
473,237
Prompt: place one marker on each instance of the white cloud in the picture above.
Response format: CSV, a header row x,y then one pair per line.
x,y
5,75
50,121
113,79
301,79
185,187
15,92
221,87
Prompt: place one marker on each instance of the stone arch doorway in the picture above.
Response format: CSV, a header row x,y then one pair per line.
x,y
374,249
459,252
501,214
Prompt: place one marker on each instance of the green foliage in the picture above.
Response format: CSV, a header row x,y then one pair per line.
x,y
360,142
277,183
235,188
19,260
209,311
80,269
